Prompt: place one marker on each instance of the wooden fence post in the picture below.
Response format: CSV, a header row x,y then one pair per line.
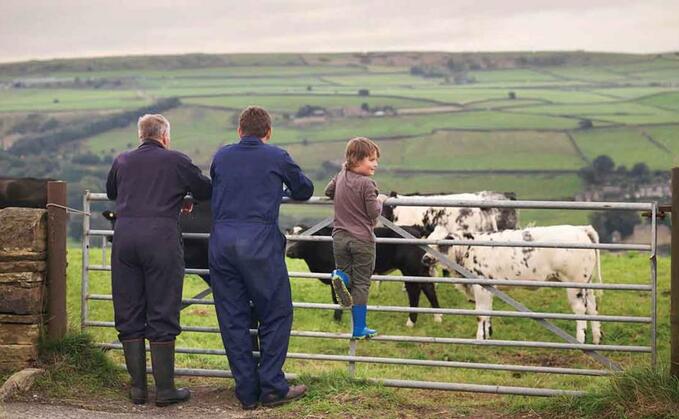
x,y
56,260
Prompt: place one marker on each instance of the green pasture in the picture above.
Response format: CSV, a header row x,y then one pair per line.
x,y
249,71
619,268
462,150
291,103
625,146
587,74
595,110
667,135
512,76
668,100
56,100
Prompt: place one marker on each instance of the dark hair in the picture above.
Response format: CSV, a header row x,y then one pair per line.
x,y
359,148
254,121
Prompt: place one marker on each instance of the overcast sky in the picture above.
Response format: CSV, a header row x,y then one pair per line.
x,y
40,29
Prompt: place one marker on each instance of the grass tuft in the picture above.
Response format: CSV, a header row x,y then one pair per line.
x,y
74,365
636,393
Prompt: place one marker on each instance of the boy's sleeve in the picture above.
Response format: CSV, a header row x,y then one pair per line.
x,y
111,182
300,188
330,188
373,206
193,178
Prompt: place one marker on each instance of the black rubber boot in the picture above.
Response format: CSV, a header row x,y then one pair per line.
x,y
162,357
135,360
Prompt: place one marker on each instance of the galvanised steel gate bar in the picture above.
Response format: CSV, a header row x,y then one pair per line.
x,y
351,358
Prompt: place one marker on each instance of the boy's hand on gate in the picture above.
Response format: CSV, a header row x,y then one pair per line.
x,y
382,197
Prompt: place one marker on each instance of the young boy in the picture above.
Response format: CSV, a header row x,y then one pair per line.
x,y
357,206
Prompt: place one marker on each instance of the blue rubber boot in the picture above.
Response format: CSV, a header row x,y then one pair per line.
x,y
340,285
361,331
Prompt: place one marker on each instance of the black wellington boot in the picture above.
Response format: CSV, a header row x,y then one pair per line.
x,y
135,360
162,358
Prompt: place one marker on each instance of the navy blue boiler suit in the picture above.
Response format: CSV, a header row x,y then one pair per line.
x,y
247,260
147,260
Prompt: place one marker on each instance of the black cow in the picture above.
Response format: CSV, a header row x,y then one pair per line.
x,y
23,192
390,257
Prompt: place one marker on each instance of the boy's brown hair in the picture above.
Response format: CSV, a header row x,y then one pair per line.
x,y
254,121
359,148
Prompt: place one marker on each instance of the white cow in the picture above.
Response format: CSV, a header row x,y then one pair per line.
x,y
526,263
455,219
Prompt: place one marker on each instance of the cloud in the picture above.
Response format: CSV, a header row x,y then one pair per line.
x,y
31,29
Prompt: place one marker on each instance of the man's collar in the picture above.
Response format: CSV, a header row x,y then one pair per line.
x,y
251,139
150,141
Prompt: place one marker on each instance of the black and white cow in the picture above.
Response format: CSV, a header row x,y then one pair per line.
x,y
455,219
527,263
390,257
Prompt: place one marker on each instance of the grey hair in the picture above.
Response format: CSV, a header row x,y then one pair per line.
x,y
153,126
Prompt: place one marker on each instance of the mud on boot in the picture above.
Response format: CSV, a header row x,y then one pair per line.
x,y
340,285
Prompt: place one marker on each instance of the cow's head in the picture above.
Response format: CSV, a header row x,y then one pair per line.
x,y
111,217
388,210
441,233
293,248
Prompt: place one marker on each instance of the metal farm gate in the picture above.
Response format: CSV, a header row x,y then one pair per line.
x,y
596,352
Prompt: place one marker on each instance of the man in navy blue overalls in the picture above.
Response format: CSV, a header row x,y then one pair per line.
x,y
148,185
247,257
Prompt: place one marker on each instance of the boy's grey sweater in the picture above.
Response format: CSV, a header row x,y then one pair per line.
x,y
356,204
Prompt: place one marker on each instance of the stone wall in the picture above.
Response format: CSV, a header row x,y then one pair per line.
x,y
23,256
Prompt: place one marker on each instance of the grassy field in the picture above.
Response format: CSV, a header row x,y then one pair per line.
x,y
617,268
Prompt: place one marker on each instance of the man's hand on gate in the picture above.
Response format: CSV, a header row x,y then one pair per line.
x,y
187,207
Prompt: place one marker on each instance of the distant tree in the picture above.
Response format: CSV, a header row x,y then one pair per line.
x,y
640,172
309,88
55,100
365,107
512,95
87,158
605,223
585,123
621,170
603,165
364,92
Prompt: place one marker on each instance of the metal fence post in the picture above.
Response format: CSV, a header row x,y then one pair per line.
x,y
84,286
674,285
56,260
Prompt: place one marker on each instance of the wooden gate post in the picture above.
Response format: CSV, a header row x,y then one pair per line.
x,y
56,260
674,284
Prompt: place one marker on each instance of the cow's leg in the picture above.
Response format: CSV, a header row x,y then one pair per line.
x,y
484,302
413,290
578,302
337,315
592,310
430,292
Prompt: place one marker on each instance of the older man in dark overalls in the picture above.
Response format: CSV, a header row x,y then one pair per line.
x,y
247,257
148,185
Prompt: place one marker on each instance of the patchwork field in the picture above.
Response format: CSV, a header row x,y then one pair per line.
x,y
446,123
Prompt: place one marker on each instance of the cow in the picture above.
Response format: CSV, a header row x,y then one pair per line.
x,y
390,257
452,218
23,192
528,263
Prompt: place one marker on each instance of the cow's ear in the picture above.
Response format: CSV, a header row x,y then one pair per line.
x,y
393,194
109,215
